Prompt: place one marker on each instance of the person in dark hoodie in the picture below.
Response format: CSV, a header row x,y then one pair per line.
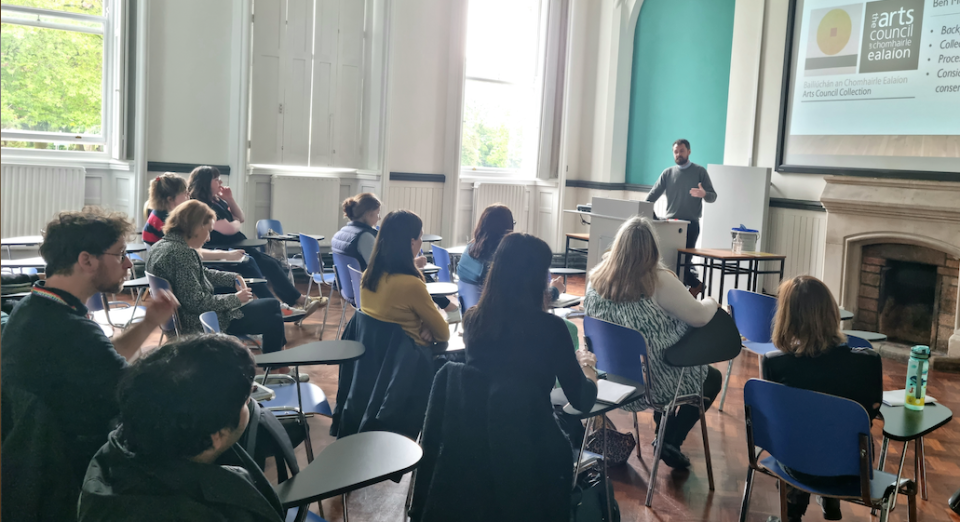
x,y
174,456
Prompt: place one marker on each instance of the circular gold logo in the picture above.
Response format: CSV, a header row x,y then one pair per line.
x,y
834,32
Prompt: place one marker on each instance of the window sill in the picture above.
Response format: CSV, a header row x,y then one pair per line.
x,y
318,172
89,161
477,177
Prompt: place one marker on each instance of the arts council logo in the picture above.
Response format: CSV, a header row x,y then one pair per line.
x,y
833,41
891,40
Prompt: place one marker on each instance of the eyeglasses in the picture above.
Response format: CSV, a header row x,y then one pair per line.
x,y
122,255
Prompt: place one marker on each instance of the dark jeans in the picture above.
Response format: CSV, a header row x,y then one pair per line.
x,y
261,316
274,272
691,278
687,415
798,500
248,269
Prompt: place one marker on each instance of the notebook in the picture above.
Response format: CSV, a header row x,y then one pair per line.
x,y
611,392
898,397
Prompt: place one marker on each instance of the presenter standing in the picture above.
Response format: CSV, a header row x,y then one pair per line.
x,y
686,185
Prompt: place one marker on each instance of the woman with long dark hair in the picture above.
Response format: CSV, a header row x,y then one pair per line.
x,y
205,186
509,334
393,288
495,222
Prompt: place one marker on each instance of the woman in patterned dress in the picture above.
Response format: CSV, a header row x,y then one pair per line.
x,y
630,287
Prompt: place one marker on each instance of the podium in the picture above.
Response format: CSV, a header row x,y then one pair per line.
x,y
608,215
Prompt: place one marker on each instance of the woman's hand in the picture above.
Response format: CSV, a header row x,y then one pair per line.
x,y
244,295
588,362
226,194
420,262
426,334
557,282
234,255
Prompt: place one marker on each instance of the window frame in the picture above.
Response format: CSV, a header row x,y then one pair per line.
x,y
112,85
542,77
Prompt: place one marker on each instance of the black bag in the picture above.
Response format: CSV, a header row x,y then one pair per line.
x,y
268,436
619,445
589,500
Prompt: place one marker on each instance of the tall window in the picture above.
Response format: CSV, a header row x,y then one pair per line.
x,y
58,77
504,86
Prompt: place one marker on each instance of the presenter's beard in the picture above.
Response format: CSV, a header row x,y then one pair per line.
x,y
681,160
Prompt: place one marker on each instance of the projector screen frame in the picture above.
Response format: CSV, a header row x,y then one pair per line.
x,y
841,171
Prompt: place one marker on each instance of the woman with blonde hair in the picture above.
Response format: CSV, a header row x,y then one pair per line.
x,y
814,356
630,287
175,259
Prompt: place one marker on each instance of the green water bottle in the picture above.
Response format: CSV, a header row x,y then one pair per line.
x,y
917,377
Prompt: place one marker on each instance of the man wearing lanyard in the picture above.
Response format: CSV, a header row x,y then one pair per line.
x,y
687,185
53,352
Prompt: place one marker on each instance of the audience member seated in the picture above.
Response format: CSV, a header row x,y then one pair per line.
x,y
814,356
630,287
52,351
357,237
175,259
393,288
495,222
174,456
205,186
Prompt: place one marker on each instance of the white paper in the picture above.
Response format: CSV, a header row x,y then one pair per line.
x,y
898,398
611,392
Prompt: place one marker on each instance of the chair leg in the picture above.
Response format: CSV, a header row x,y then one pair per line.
x,y
409,501
326,309
566,254
706,441
346,517
921,467
782,485
747,490
726,383
636,428
343,315
664,418
912,507
583,447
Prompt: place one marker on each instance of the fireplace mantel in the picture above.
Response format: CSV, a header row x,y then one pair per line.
x,y
866,211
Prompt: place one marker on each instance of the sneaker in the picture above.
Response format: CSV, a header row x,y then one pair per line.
x,y
322,300
290,312
830,507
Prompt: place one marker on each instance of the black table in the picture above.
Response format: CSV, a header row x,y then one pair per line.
x,y
243,243
431,238
316,352
903,425
599,408
349,464
136,247
291,237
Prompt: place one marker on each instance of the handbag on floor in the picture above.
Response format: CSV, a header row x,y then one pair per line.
x,y
619,445
589,500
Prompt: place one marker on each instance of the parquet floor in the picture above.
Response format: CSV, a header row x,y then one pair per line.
x,y
680,496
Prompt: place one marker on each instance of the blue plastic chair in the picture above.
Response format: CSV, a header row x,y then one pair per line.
x,y
344,283
172,327
753,313
858,342
816,434
210,322
441,258
622,351
469,295
313,266
355,277
264,226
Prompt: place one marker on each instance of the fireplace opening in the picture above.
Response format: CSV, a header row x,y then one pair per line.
x,y
907,301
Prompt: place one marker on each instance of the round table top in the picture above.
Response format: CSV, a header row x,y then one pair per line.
x,y
316,352
348,464
21,241
867,336
901,423
243,243
136,247
440,289
457,250
140,282
567,271
27,262
845,315
431,238
430,268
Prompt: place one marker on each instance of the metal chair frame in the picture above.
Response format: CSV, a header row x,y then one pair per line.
x,y
311,277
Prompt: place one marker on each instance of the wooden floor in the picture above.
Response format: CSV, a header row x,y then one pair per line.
x,y
680,496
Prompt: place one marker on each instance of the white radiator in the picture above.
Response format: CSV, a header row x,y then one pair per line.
x,y
424,198
801,236
306,204
33,195
513,196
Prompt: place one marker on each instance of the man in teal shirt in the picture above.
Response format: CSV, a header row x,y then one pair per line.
x,y
686,185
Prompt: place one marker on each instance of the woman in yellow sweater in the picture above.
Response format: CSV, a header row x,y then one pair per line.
x,y
393,288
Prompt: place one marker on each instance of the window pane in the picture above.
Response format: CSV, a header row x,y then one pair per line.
x,y
52,80
500,126
503,39
90,7
83,147
79,24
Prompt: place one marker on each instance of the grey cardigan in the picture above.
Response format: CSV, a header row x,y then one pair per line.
x,y
172,259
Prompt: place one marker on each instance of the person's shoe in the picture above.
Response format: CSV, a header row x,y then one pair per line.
x,y
673,457
830,507
696,289
309,308
322,300
290,313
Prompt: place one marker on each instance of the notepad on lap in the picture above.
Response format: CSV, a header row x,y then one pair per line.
x,y
898,397
611,392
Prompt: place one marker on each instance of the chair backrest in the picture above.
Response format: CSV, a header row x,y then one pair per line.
x,y
753,314
156,284
264,226
344,280
620,350
716,341
858,342
210,322
355,277
312,263
95,303
469,295
809,432
441,258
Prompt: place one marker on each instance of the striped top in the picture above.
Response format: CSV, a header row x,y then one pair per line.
x,y
661,331
153,229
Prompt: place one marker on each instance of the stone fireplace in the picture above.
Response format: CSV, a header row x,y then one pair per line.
x,y
892,257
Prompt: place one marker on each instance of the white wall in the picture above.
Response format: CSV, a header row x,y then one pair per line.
x,y
188,102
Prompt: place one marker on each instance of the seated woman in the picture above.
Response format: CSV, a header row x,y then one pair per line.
x,y
357,237
814,356
630,287
393,288
175,259
205,186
